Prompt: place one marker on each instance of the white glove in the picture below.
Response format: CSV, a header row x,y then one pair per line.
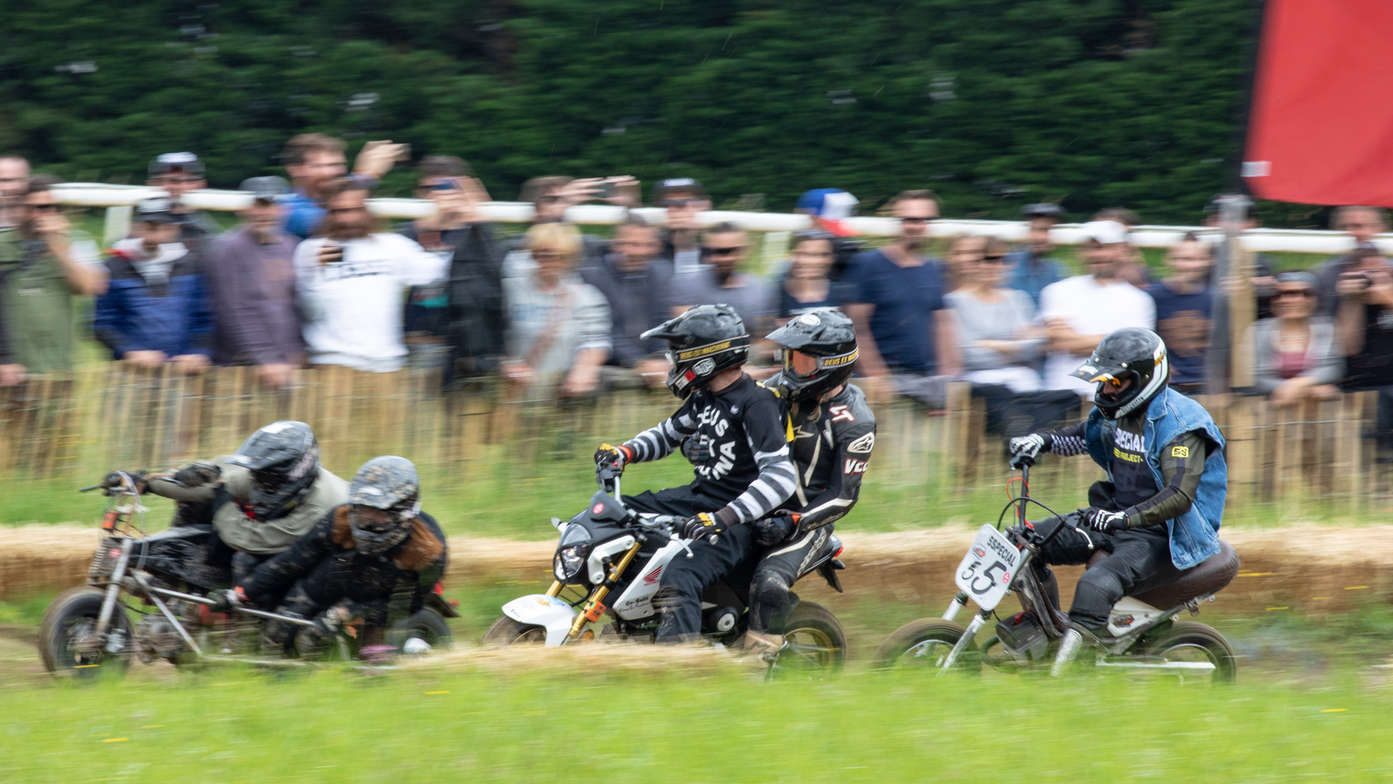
x,y
1028,446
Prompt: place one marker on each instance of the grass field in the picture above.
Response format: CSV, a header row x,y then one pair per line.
x,y
459,723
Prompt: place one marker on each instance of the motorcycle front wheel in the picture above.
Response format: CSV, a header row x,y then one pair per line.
x,y
1188,641
813,640
506,631
425,625
924,644
67,641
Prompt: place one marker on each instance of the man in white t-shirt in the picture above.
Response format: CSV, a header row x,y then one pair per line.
x,y
352,285
1079,311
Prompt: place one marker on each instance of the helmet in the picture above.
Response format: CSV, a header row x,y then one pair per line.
x,y
829,338
703,341
283,458
1129,353
384,498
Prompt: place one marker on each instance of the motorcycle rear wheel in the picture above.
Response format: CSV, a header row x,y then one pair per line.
x,y
1192,641
813,640
71,616
506,631
426,625
924,644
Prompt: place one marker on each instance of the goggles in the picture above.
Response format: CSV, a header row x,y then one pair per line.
x,y
804,365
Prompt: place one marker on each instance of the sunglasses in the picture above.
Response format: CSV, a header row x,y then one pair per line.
x,y
915,220
731,251
998,259
679,202
44,207
1304,293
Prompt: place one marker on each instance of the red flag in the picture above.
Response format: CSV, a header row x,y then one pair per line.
x,y
1321,123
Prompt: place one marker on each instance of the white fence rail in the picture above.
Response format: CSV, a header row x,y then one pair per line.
x,y
119,198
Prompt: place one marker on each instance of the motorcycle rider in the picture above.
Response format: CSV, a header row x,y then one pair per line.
x,y
1160,508
732,429
368,562
263,497
833,435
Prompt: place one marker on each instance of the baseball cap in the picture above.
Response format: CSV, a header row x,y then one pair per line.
x,y
827,203
1041,210
185,162
157,210
265,188
677,185
1105,232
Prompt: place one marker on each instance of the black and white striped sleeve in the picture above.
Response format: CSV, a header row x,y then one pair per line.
x,y
1068,441
766,432
660,440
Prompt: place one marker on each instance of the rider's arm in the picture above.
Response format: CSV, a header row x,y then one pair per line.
x,y
1065,441
854,446
767,435
1182,464
660,440
273,578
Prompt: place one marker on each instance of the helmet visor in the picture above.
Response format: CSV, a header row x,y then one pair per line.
x,y
376,530
803,365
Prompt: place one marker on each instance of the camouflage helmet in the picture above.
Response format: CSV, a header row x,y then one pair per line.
x,y
384,499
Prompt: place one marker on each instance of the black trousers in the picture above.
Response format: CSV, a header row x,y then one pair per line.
x,y
1135,558
777,570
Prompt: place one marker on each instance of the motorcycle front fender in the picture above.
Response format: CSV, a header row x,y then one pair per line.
x,y
548,612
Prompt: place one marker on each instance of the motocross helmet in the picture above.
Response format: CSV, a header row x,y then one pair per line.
x,y
1129,354
283,458
702,342
384,499
819,351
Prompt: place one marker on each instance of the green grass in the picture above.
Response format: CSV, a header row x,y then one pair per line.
x,y
679,727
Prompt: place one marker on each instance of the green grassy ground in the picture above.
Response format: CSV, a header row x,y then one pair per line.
x,y
676,726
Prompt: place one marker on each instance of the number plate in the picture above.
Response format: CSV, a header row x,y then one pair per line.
x,y
986,571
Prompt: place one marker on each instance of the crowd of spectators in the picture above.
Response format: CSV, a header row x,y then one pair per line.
x,y
308,276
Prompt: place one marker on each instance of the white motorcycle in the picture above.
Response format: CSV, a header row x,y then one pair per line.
x,y
609,550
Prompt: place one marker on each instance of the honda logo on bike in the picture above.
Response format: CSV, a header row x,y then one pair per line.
x,y
652,577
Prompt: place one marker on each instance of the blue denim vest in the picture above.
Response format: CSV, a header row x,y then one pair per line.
x,y
1194,536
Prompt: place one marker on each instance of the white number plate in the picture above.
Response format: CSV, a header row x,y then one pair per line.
x,y
986,571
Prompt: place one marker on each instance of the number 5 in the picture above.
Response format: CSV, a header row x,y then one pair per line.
x,y
997,567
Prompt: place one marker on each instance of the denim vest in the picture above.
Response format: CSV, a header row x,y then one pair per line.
x,y
1194,536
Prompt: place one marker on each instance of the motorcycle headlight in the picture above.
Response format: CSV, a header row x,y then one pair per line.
x,y
571,553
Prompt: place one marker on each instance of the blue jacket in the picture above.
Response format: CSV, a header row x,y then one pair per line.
x,y
302,214
1031,274
135,316
1194,536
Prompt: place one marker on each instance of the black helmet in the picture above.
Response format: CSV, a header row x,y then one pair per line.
x,y
1129,353
829,337
703,341
384,498
283,458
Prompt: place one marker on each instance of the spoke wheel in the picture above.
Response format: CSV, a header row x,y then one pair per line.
x,y
813,642
925,644
67,635
506,631
1187,641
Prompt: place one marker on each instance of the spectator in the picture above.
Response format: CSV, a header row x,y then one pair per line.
x,y
1079,312
551,196
14,179
177,173
44,264
352,282
1184,305
964,251
251,281
684,199
806,286
719,281
10,373
1224,276
638,285
1295,357
1260,272
830,208
1032,269
903,325
1361,224
1132,268
471,294
314,161
558,327
1365,321
155,308
996,329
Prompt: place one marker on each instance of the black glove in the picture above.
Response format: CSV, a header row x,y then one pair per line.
x,y
699,526
1104,520
226,599
331,621
770,531
1029,446
609,456
197,474
697,450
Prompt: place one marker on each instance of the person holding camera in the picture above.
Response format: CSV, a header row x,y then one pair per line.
x,y
1364,320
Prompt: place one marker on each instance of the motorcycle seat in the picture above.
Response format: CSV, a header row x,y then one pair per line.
x,y
1209,576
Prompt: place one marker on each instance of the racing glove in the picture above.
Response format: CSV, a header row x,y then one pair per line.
x,y
331,621
1029,446
1104,520
697,450
770,531
197,474
700,525
226,599
609,456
